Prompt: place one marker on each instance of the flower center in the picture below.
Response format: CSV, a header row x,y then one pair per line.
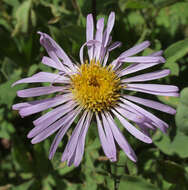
x,y
95,87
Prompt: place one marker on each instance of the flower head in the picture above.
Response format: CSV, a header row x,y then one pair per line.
x,y
95,89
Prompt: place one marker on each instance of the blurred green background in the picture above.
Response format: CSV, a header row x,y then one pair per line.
x,y
162,165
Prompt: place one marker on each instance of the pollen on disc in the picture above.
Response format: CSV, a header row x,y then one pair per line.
x,y
95,87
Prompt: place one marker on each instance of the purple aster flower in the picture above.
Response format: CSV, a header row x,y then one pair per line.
x,y
95,89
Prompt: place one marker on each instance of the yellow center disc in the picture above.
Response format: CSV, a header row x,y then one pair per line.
x,y
94,87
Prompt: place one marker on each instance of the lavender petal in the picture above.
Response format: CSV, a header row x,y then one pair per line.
x,y
110,24
114,46
89,44
71,145
55,126
130,115
152,104
48,103
51,63
109,138
133,130
50,117
120,139
103,139
135,49
153,92
98,37
148,76
89,34
141,59
59,137
54,50
81,140
43,77
33,92
154,120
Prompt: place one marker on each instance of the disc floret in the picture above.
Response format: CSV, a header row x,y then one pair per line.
x,y
95,87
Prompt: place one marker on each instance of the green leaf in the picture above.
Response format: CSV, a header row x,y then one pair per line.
x,y
42,160
5,24
136,183
182,112
48,183
23,186
174,53
170,170
109,182
20,156
61,167
32,69
90,184
173,147
6,129
172,101
6,97
132,167
22,17
13,3
132,4
174,68
7,68
172,17
33,18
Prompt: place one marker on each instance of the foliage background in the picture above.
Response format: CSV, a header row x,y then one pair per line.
x,y
162,165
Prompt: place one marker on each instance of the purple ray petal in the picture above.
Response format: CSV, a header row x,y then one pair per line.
x,y
132,110
137,66
106,58
109,27
157,53
88,43
49,103
133,130
144,129
135,49
98,37
51,117
71,159
141,59
156,121
32,92
120,139
109,138
103,139
81,140
155,87
55,111
130,115
151,104
55,126
151,126
71,145
114,45
59,136
43,77
153,92
54,50
19,106
148,76
51,63
89,34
